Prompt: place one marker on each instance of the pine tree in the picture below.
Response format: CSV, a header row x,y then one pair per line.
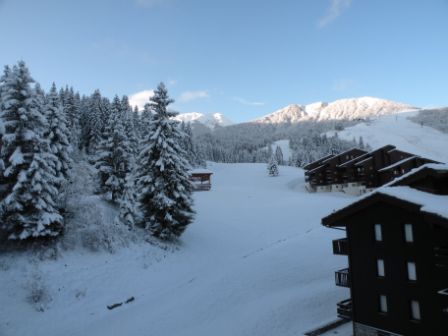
x,y
113,161
272,167
58,134
71,105
279,155
136,121
28,178
164,189
129,128
95,122
188,146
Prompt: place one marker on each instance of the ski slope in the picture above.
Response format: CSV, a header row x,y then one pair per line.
x,y
401,132
284,146
256,261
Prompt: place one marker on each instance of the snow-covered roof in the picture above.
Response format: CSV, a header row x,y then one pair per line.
x,y
428,202
396,164
200,171
363,161
319,160
343,153
369,154
316,169
443,167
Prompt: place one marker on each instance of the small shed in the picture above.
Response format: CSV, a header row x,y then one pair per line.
x,y
201,179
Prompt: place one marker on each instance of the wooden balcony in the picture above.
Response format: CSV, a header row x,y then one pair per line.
x,y
340,246
342,278
344,309
441,257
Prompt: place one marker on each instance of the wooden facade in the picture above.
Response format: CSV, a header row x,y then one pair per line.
x,y
369,170
201,180
325,171
397,250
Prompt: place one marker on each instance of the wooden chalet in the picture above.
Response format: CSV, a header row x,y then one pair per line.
x,y
397,248
362,171
201,179
323,173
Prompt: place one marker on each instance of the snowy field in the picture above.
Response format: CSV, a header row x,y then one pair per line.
x,y
403,133
255,262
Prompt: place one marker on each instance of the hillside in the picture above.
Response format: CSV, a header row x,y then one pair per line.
x,y
400,131
343,109
254,262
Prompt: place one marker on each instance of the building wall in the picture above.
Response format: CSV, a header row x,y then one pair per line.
x,y
367,286
363,330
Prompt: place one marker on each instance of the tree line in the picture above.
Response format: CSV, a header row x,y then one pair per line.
x,y
142,159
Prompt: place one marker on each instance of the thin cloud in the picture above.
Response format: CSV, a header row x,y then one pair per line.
x,y
344,84
140,98
336,8
247,102
188,96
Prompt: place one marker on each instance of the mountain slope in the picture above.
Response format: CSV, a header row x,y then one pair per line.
x,y
348,109
403,133
237,270
210,120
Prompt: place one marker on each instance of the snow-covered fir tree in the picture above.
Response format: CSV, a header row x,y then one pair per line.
x,y
272,167
128,204
57,133
145,120
113,158
162,179
193,155
28,178
96,115
129,127
71,105
279,155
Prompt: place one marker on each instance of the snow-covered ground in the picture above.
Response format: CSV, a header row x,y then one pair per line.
x,y
403,133
256,261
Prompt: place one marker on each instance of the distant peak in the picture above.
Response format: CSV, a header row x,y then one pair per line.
x,y
210,120
347,109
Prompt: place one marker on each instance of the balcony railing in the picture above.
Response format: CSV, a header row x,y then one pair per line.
x,y
344,309
441,257
342,278
340,246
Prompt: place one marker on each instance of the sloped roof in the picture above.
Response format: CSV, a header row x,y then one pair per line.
x,y
431,204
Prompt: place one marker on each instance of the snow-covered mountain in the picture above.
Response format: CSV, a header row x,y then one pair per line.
x,y
210,120
349,109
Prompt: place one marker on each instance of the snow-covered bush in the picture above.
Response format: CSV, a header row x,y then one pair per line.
x,y
92,226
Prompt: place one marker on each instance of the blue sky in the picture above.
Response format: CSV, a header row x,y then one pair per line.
x,y
243,58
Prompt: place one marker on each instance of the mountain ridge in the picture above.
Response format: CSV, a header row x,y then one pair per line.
x,y
211,120
347,109
341,109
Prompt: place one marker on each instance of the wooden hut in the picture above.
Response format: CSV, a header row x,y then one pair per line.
x,y
201,179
